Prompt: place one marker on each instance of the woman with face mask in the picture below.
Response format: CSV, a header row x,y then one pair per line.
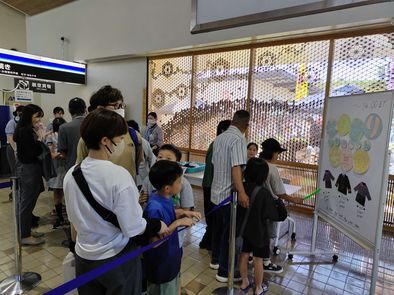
x,y
154,134
112,187
29,169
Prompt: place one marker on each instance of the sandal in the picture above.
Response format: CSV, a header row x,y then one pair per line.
x,y
246,289
265,289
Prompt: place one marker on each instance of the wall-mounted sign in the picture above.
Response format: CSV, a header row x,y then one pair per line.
x,y
13,63
22,95
35,85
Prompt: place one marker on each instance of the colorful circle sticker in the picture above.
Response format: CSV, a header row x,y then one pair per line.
x,y
361,161
331,128
334,156
367,145
373,126
357,131
346,160
344,125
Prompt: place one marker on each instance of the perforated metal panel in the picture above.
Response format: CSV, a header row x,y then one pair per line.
x,y
221,87
363,64
287,90
287,97
170,96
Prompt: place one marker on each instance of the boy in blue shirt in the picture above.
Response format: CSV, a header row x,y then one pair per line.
x,y
163,263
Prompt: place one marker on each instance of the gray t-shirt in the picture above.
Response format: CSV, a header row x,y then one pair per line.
x,y
69,134
186,197
274,183
149,160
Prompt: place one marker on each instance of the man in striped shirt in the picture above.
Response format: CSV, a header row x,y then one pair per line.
x,y
229,155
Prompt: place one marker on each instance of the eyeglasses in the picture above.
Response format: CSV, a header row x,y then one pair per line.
x,y
117,105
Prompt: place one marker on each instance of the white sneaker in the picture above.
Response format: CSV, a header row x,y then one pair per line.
x,y
222,279
214,266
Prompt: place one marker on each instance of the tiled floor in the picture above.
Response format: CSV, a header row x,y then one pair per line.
x,y
304,275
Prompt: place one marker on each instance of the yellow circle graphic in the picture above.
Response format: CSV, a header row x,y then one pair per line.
x,y
360,161
344,124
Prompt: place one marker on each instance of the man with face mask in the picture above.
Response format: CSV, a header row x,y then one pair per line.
x,y
154,134
130,158
11,146
69,133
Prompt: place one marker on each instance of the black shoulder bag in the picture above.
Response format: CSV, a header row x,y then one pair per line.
x,y
105,214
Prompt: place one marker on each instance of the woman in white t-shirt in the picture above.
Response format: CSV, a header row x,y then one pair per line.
x,y
99,241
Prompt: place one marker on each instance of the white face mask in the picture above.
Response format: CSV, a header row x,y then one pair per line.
x,y
151,122
116,150
120,112
17,119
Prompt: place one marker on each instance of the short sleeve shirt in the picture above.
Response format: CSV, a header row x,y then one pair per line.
x,y
162,263
274,183
112,187
69,135
10,127
229,150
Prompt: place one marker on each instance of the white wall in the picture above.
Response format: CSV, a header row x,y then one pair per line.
x,y
12,28
127,75
12,35
106,28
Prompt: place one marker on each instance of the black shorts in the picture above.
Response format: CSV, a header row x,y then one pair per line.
x,y
260,252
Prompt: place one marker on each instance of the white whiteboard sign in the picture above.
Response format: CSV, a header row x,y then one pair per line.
x,y
22,95
352,174
213,15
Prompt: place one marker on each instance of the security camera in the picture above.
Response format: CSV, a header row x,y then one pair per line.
x,y
62,38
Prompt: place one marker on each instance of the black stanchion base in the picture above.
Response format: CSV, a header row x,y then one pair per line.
x,y
18,285
226,291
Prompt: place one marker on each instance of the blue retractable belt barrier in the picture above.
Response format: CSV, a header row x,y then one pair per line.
x,y
5,184
91,275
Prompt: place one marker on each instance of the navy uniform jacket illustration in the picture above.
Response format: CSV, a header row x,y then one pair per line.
x,y
343,184
362,193
328,177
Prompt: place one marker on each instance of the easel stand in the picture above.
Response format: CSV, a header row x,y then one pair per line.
x,y
20,282
313,251
376,249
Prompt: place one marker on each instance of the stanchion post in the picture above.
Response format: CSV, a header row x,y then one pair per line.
x,y
17,226
231,248
229,290
20,282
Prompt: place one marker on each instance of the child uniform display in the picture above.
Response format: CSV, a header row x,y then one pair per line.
x,y
328,177
343,184
362,193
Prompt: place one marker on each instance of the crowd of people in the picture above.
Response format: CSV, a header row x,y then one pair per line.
x,y
123,190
